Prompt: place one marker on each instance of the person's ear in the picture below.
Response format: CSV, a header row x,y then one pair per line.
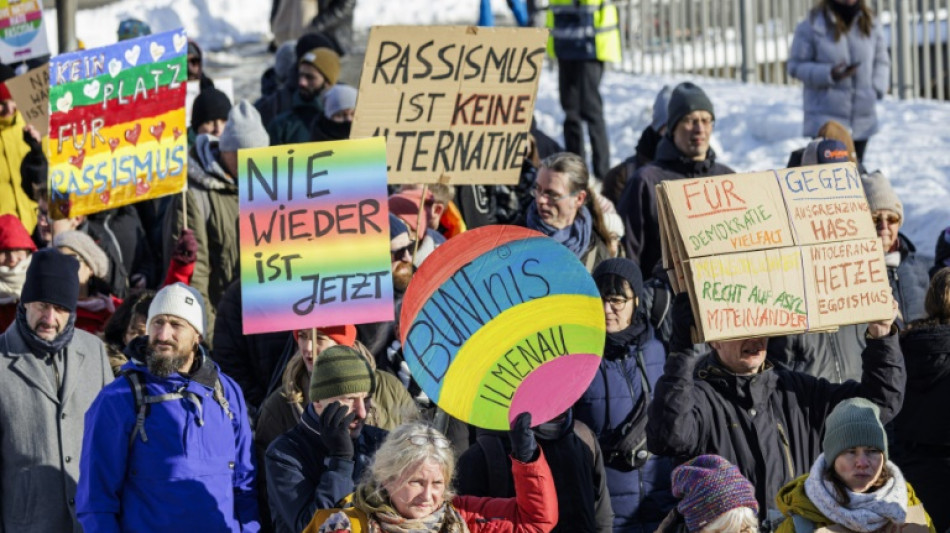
x,y
581,198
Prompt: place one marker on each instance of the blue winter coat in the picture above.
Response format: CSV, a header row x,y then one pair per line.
x,y
196,471
640,498
850,101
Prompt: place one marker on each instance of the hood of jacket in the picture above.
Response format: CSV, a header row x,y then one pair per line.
x,y
670,157
204,170
206,374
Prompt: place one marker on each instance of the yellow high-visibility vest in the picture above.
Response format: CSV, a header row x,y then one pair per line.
x,y
583,30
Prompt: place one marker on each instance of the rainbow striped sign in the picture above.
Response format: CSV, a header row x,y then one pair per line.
x,y
502,320
117,124
314,235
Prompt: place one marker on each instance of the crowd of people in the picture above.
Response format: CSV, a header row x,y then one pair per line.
x,y
131,400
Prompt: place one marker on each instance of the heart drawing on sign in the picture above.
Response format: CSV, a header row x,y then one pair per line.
x,y
91,89
76,160
179,40
141,187
104,196
132,134
157,130
176,132
115,67
156,50
65,102
132,55
113,143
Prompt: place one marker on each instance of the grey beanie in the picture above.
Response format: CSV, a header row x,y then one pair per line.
x,y
244,129
853,422
660,106
881,195
338,98
686,98
285,60
87,249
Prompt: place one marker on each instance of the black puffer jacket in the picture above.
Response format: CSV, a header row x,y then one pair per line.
x,y
769,424
922,428
638,205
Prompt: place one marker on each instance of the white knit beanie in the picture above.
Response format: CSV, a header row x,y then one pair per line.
x,y
243,130
179,300
881,195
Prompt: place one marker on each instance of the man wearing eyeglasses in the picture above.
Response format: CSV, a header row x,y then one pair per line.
x,y
316,464
683,152
906,272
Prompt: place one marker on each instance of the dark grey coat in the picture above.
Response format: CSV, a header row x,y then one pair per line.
x,y
41,434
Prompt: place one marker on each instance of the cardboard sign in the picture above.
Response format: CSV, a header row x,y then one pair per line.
x,y
225,85
117,124
454,103
22,31
30,91
314,233
772,253
502,320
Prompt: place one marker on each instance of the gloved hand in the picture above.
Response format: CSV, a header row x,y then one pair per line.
x,y
186,249
524,447
336,420
682,316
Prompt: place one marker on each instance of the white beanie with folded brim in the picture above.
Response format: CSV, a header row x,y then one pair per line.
x,y
179,300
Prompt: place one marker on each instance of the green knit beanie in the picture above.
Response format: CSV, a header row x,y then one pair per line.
x,y
337,371
854,422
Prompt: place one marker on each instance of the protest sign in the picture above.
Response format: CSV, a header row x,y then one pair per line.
x,y
314,233
774,252
225,85
117,124
454,103
22,31
30,91
502,320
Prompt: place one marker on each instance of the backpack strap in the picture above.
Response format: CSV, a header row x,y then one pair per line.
x,y
221,398
660,307
497,460
587,436
141,406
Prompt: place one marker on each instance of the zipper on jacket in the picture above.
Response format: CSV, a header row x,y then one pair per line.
x,y
836,357
786,449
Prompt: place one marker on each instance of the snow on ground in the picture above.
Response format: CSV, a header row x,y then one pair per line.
x,y
756,125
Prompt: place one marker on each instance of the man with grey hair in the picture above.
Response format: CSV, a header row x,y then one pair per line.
x,y
50,373
213,205
168,445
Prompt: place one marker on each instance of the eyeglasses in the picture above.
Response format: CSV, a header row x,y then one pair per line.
x,y
889,218
421,440
616,302
400,253
550,196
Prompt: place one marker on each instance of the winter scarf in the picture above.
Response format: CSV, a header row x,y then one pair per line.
x,y
385,518
576,236
866,512
203,165
38,346
11,281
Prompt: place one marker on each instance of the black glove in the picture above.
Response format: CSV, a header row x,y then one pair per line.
x,y
335,434
682,316
523,446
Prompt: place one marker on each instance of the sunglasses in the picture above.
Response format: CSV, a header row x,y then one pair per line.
x,y
400,253
889,218
421,440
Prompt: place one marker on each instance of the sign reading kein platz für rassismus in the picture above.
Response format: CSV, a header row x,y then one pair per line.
x,y
454,103
314,233
775,252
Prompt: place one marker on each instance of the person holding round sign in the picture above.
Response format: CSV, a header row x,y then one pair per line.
x,y
614,406
408,489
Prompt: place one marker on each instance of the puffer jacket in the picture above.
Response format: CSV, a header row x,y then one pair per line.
x,y
769,424
834,356
642,497
637,206
196,467
922,429
850,101
792,500
909,282
213,216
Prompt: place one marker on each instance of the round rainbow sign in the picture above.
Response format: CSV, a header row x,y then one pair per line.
x,y
502,320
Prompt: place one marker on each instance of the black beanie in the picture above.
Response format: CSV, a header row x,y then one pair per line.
x,y
686,98
210,104
624,268
309,41
52,277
